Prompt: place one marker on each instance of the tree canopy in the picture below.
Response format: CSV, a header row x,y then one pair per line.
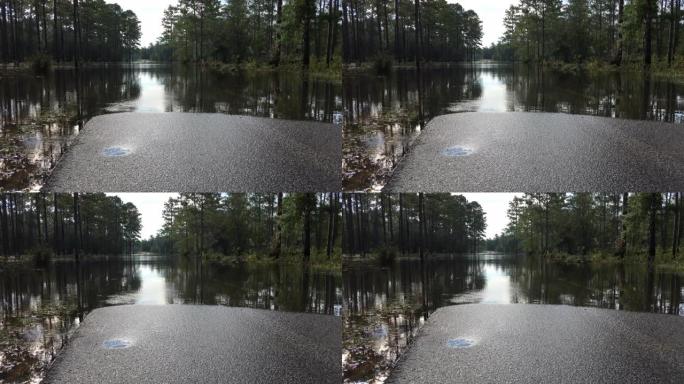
x,y
62,224
410,223
640,226
433,30
91,30
261,31
302,226
615,31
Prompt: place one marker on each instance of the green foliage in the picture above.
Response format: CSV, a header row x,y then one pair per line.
x,y
104,32
387,254
594,227
46,225
41,64
385,222
581,31
448,32
247,227
382,64
240,32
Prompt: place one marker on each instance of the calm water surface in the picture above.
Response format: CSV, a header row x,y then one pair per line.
x,y
39,116
385,306
385,113
41,307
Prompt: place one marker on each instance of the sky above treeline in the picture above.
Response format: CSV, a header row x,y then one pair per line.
x,y
151,206
491,13
150,13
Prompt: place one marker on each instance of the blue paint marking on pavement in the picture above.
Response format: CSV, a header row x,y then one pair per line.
x,y
116,152
460,343
116,344
457,151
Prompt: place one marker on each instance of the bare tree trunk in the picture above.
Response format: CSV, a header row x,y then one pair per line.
x,y
77,244
648,34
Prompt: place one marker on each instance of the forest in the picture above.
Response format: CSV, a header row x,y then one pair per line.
x,y
303,33
296,227
43,225
409,31
618,32
63,30
411,224
641,227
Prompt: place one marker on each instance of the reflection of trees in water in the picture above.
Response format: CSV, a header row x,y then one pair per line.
x,y
277,287
277,95
46,302
625,95
628,287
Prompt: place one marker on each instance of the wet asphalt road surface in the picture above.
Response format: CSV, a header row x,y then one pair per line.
x,y
542,152
188,152
544,344
200,344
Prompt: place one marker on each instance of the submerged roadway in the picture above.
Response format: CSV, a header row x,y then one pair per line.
x,y
200,344
544,344
189,152
542,152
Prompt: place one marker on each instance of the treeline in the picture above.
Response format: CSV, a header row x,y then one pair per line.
x,y
66,30
612,31
640,226
238,31
303,226
44,224
411,224
409,30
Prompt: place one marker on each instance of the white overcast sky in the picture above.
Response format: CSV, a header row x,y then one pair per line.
x,y
495,206
150,13
150,206
491,13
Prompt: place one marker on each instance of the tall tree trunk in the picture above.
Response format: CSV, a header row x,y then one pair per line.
x,y
331,20
77,245
620,40
677,223
417,34
652,228
278,240
332,214
307,233
306,36
76,47
670,46
648,33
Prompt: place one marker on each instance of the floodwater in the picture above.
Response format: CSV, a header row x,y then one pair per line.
x,y
42,307
40,115
384,114
384,306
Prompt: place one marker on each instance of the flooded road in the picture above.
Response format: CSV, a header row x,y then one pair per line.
x,y
40,116
41,307
384,114
385,306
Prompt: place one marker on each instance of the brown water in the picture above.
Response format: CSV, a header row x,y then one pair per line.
x,y
383,114
40,115
384,306
41,307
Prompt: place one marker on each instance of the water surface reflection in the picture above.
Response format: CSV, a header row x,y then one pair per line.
x,y
384,114
41,307
39,116
385,306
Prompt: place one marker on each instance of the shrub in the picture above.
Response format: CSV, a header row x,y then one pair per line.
x,y
41,63
387,255
382,64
